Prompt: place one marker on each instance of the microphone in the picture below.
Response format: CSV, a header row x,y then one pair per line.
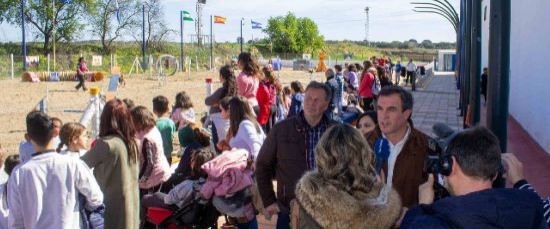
x,y
442,130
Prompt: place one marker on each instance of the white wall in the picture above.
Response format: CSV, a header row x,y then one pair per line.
x,y
530,68
485,4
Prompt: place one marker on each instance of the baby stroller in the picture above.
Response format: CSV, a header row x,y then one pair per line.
x,y
196,214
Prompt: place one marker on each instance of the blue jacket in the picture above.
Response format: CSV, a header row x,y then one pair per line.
x,y
296,104
492,208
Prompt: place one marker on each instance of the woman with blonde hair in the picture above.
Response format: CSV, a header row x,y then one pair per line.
x,y
344,190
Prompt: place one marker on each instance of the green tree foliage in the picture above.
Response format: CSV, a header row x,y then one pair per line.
x,y
41,16
290,34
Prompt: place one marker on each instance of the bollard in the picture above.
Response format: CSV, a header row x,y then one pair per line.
x,y
209,86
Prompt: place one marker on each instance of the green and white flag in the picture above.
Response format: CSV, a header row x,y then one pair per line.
x,y
186,16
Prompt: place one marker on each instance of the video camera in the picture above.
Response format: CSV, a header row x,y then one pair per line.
x,y
438,163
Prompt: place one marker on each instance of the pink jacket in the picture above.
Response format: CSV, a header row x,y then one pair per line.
x,y
157,170
227,174
248,88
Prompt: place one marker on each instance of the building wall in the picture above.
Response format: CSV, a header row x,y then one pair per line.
x,y
529,68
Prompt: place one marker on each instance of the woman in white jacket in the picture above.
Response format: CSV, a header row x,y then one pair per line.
x,y
244,131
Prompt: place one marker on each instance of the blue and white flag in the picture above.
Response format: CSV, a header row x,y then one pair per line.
x,y
117,11
256,25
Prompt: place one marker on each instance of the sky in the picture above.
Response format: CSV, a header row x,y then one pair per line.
x,y
390,20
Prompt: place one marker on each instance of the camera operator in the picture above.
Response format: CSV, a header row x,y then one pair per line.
x,y
470,163
514,175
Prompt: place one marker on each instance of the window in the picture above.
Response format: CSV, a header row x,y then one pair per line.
x,y
485,14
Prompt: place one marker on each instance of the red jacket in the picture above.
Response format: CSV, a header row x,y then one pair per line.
x,y
365,88
264,104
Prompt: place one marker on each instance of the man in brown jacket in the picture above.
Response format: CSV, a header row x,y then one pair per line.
x,y
408,147
288,152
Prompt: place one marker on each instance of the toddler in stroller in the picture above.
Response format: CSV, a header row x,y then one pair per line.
x,y
183,206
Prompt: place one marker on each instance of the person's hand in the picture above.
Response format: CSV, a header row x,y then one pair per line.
x,y
272,209
223,145
515,168
426,191
401,217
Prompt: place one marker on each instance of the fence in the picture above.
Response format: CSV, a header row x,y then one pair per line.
x,y
11,66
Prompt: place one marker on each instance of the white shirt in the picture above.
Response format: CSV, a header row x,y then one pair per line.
x,y
44,190
411,67
72,154
93,113
4,211
26,149
248,138
395,150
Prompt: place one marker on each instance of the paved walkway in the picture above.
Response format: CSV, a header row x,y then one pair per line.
x,y
436,102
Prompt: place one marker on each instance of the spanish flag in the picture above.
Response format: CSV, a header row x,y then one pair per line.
x,y
219,20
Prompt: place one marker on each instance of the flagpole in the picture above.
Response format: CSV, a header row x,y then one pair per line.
x,y
211,43
24,44
54,30
143,46
181,41
242,34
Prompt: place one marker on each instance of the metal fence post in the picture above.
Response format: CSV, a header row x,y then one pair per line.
x,y
12,69
48,63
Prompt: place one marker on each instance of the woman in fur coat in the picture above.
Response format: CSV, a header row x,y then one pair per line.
x,y
344,191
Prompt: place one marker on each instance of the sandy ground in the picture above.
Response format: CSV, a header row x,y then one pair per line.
x,y
63,100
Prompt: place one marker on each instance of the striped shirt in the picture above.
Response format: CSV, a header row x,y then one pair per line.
x,y
523,185
312,137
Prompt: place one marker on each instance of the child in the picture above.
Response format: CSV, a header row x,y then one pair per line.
x,y
184,192
9,165
287,98
26,149
165,125
183,112
81,71
154,168
65,179
192,137
296,105
73,135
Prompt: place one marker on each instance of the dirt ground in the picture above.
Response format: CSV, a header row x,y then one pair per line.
x,y
64,102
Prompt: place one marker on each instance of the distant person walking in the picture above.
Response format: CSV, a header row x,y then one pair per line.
x,y
411,68
81,70
484,85
397,72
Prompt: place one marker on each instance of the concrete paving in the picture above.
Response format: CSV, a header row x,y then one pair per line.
x,y
436,102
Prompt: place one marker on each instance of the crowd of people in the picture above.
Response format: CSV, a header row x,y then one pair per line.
x,y
344,153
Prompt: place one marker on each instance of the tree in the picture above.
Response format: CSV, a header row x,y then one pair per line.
x,y
40,14
156,29
290,34
427,44
104,25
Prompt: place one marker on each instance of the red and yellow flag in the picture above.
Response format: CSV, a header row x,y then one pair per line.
x,y
219,20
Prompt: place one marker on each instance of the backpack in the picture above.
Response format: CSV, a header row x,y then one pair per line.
x,y
375,88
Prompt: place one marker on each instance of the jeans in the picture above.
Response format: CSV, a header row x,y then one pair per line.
x,y
283,220
81,82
